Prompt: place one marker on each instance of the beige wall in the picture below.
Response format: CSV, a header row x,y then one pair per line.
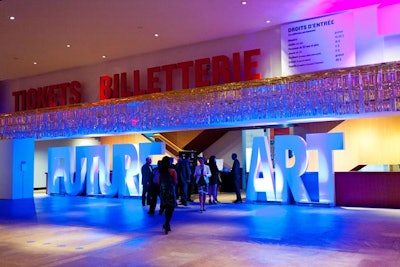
x,y
366,141
122,139
223,148
369,141
181,139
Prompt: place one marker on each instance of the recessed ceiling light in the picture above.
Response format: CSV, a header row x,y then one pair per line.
x,y
267,21
68,45
104,56
12,18
244,3
35,63
156,35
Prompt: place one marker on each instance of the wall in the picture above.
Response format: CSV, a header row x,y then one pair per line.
x,y
181,139
368,141
89,76
223,148
122,139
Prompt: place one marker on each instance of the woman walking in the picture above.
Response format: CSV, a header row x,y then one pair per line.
x,y
202,173
213,185
167,179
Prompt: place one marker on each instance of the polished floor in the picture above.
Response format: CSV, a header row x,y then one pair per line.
x,y
84,231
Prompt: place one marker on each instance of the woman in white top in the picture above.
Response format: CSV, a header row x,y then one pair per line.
x,y
202,174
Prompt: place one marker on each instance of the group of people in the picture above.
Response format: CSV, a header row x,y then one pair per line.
x,y
167,181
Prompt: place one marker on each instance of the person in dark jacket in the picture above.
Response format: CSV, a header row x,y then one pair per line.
x,y
184,173
147,180
167,179
235,173
155,191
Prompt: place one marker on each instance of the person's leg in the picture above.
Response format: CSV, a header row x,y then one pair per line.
x,y
209,193
178,191
165,225
162,202
162,208
201,200
144,191
184,190
169,210
204,200
190,191
214,193
153,199
237,189
149,196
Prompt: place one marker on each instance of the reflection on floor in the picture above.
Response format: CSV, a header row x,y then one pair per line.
x,y
82,231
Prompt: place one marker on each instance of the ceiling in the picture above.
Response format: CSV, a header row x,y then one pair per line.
x,y
42,29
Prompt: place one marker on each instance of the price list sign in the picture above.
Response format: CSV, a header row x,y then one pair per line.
x,y
318,44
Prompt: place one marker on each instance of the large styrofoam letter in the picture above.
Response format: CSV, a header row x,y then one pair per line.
x,y
286,175
325,144
261,163
126,166
61,171
94,164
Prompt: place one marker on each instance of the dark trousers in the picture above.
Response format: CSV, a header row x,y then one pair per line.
x,y
169,210
237,190
155,193
190,189
184,191
146,194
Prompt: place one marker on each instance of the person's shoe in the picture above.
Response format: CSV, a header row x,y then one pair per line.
x,y
160,212
164,227
150,212
214,202
237,201
209,201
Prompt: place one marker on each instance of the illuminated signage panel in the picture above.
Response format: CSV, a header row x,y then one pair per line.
x,y
318,44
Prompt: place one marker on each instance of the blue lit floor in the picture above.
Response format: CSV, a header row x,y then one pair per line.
x,y
79,231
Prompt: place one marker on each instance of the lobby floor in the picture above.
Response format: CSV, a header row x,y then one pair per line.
x,y
87,231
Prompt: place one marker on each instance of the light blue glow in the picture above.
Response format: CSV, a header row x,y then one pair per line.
x,y
93,171
276,185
